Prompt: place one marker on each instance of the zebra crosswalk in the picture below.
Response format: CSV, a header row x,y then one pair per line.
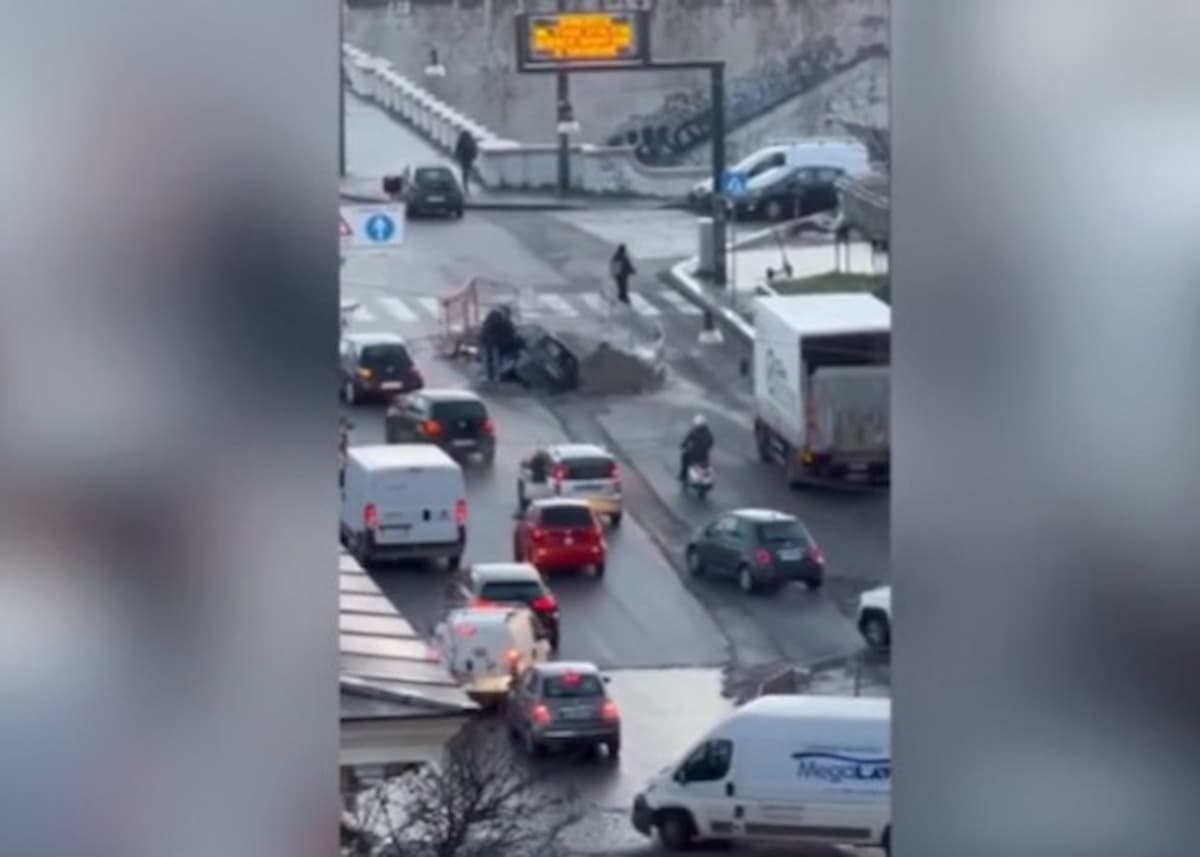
x,y
373,311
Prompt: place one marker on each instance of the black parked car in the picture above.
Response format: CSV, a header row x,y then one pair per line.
x,y
435,191
806,191
455,420
760,548
376,365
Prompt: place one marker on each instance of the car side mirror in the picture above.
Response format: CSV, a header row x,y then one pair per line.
x,y
606,679
680,776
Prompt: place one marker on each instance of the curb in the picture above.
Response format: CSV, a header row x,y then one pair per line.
x,y
686,285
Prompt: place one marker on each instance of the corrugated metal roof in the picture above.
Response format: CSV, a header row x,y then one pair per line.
x,y
387,668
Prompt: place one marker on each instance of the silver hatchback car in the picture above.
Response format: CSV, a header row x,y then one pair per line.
x,y
560,704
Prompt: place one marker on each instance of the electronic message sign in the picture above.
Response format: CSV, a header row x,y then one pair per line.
x,y
563,40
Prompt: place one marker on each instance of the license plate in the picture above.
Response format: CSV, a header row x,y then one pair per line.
x,y
392,385
461,443
588,487
436,199
479,653
568,541
791,554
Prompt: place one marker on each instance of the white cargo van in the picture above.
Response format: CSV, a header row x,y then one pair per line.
x,y
768,165
403,501
484,647
783,770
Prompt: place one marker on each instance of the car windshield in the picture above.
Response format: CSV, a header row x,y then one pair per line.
x,y
588,468
566,516
386,355
433,177
782,531
572,686
514,591
454,411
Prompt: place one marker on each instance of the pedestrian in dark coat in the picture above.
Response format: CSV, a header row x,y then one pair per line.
x,y
490,334
621,269
466,150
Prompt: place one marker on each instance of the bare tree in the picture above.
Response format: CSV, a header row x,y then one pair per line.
x,y
480,801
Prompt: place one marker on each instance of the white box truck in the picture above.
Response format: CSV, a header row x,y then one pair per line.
x,y
781,770
822,386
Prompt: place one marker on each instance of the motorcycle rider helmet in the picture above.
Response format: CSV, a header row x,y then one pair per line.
x,y
698,420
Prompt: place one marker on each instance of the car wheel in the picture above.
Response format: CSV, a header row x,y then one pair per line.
x,y
458,213
773,210
454,561
615,520
598,569
876,632
489,458
522,500
517,552
694,563
764,445
745,579
613,746
814,584
349,393
675,830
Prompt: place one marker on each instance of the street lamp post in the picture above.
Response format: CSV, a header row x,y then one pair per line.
x,y
341,61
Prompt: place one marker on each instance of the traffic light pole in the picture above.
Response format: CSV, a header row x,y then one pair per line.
x,y
341,61
562,114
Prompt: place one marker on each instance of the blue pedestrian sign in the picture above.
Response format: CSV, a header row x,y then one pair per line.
x,y
733,184
372,227
380,228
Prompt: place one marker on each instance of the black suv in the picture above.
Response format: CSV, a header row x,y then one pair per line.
x,y
374,365
434,190
455,420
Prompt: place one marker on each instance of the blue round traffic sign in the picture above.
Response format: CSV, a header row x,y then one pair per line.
x,y
380,228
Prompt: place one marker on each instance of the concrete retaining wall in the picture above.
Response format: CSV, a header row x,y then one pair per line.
x,y
506,164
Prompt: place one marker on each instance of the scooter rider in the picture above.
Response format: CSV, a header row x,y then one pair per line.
x,y
696,446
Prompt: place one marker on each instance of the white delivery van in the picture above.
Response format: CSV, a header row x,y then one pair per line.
x,y
822,386
770,164
403,501
484,647
782,770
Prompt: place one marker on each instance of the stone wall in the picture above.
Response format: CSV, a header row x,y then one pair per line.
x,y
776,50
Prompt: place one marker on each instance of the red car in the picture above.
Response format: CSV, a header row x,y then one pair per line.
x,y
559,534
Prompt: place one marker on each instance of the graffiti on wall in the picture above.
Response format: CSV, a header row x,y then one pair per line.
x,y
683,123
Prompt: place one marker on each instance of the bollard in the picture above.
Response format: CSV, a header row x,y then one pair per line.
x,y
709,333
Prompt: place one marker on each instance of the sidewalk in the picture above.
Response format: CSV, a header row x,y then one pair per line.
x,y
752,263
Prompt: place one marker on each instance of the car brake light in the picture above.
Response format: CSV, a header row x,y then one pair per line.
x,y
544,604
541,715
460,513
570,679
481,602
816,555
431,428
762,556
537,535
614,472
512,656
489,427
558,474
465,630
610,711
370,516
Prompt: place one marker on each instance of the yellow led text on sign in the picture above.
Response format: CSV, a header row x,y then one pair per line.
x,y
583,37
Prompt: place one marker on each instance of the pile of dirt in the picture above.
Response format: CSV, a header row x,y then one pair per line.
x,y
608,371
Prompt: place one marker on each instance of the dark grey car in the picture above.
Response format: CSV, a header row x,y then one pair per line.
x,y
759,548
456,420
563,704
435,191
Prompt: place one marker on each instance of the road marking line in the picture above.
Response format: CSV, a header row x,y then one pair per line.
x,y
679,303
528,308
642,306
399,309
430,305
595,302
557,305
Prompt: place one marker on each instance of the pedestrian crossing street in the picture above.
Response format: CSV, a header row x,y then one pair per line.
x,y
388,311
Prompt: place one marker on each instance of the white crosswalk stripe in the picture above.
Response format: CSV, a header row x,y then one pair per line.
x,y
679,303
362,315
595,302
429,305
642,306
398,309
556,305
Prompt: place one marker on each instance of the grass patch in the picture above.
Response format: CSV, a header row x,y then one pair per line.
x,y
876,284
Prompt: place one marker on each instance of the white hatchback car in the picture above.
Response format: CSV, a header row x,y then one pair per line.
x,y
580,471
